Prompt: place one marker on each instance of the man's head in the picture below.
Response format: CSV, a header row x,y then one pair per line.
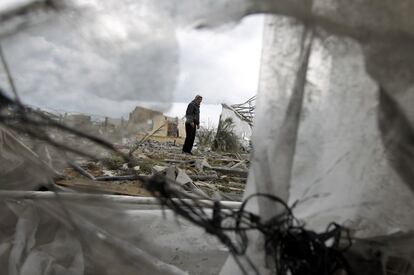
x,y
198,99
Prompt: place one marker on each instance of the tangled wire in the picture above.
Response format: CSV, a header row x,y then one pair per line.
x,y
293,249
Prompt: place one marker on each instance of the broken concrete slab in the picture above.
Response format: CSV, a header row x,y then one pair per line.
x,y
182,178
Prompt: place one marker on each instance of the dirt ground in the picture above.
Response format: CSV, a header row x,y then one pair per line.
x,y
215,174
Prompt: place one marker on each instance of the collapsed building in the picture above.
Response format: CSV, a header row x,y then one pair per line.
x,y
142,120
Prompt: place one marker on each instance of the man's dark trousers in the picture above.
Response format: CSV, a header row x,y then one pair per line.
x,y
190,133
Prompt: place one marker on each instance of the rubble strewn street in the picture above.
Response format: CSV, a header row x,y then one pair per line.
x,y
207,172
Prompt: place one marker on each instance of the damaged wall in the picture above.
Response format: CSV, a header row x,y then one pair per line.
x,y
143,120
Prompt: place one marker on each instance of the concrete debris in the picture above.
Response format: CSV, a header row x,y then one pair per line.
x,y
171,173
200,164
182,178
214,173
158,168
108,173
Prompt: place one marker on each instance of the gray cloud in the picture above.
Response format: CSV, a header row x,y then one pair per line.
x,y
116,54
110,52
221,64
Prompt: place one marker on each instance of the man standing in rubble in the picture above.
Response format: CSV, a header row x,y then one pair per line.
x,y
192,123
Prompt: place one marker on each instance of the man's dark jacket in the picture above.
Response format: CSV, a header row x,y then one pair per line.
x,y
193,113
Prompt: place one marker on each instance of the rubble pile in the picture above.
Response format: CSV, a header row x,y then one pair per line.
x,y
207,173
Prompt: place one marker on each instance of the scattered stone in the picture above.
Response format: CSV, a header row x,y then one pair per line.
x,y
207,173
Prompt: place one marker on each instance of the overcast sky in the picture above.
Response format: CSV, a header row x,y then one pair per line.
x,y
222,64
109,60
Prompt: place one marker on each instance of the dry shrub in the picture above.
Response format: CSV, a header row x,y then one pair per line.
x,y
205,136
226,140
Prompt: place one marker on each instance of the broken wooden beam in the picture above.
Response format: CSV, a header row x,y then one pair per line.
x,y
145,138
134,189
81,171
116,178
179,161
219,186
203,177
237,165
241,180
137,177
243,172
86,197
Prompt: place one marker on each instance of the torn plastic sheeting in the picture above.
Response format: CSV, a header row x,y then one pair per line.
x,y
276,125
329,155
339,169
16,15
345,176
16,159
338,16
43,238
